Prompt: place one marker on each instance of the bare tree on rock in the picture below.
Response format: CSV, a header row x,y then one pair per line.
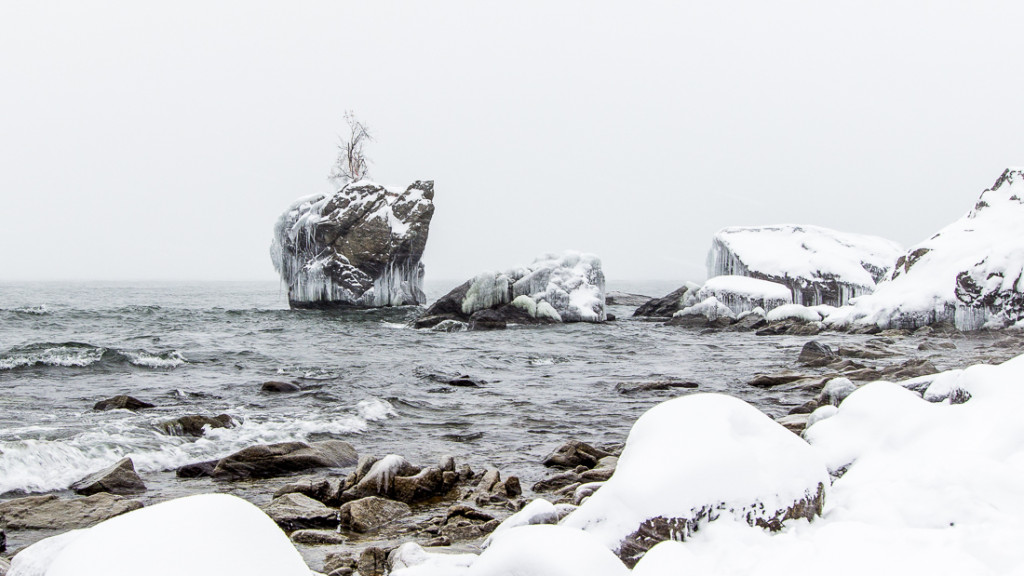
x,y
352,164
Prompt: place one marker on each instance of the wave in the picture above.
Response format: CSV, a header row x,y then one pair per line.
x,y
82,355
44,464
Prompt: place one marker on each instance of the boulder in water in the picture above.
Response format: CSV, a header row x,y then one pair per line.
x,y
120,478
122,402
52,513
358,247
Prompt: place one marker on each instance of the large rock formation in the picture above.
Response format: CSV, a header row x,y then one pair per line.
x,y
970,273
360,246
818,265
566,288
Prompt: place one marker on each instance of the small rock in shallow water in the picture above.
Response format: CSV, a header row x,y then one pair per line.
x,y
317,537
574,453
297,511
280,387
816,352
122,403
52,513
194,424
371,513
120,478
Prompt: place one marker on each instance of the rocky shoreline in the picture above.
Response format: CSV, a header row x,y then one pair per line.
x,y
348,513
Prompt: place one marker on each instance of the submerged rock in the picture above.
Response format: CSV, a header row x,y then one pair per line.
x,y
360,246
120,478
968,274
566,288
816,264
122,403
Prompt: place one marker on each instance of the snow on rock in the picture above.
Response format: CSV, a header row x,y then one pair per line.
x,y
554,288
360,246
794,312
202,535
741,465
743,293
545,550
818,265
970,273
667,305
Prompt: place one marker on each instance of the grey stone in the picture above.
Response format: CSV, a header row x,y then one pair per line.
x,y
269,460
373,561
120,478
317,537
280,387
574,453
52,513
371,513
194,424
298,511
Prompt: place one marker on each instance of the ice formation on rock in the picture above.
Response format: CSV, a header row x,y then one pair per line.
x,y
360,246
970,273
818,265
743,293
554,288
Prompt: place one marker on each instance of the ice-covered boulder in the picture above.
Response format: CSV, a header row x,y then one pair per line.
x,y
554,288
818,265
743,293
203,535
970,273
741,465
360,246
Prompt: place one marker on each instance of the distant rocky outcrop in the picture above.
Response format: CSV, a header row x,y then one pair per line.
x,y
671,303
360,246
553,289
969,274
818,265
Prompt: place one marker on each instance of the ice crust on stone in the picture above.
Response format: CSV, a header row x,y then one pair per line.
x,y
567,288
360,246
745,465
710,308
202,535
969,273
743,293
818,265
793,311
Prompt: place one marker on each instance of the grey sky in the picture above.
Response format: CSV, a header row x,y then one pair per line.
x,y
144,141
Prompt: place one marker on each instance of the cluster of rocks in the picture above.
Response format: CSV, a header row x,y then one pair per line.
x,y
584,469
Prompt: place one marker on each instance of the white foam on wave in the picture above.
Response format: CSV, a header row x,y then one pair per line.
x,y
147,360
45,463
65,356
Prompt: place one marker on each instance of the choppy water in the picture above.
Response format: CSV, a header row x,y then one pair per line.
x,y
366,378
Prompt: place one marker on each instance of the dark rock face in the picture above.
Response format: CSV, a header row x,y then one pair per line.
x,y
373,561
657,530
120,478
615,298
194,424
665,306
370,513
296,511
52,513
122,403
360,246
269,460
466,523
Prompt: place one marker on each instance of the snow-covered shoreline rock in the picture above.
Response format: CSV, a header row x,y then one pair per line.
x,y
555,288
969,274
817,264
360,246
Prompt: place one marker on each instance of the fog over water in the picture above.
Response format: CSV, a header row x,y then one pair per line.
x,y
162,142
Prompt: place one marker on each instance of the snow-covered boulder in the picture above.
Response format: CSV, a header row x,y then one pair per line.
x,y
970,273
818,265
738,463
743,293
554,288
203,535
706,312
360,246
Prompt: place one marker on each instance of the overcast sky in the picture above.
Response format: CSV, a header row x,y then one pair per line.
x,y
144,141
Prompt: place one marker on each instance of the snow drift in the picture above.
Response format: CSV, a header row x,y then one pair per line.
x,y
968,274
203,535
360,246
818,265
